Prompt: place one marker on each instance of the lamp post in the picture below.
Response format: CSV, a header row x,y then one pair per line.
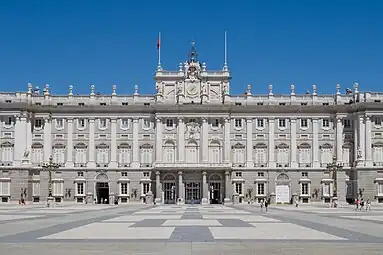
x,y
50,167
332,169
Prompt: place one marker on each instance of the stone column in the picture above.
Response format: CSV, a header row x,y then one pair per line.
x,y
205,140
91,144
315,147
20,138
271,143
362,141
47,138
228,187
158,140
69,145
136,149
227,148
181,140
293,143
368,142
180,188
158,188
339,140
205,189
249,143
28,135
113,144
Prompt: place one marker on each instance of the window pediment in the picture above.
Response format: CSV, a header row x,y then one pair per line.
x,y
124,146
326,146
377,144
146,146
80,146
304,146
58,146
102,146
260,146
282,146
7,144
238,146
37,146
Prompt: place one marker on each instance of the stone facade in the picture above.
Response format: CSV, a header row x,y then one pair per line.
x,y
191,142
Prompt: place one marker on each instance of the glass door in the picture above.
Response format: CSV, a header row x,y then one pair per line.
x,y
170,192
193,193
215,192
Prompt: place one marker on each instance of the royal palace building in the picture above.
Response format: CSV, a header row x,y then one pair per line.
x,y
191,142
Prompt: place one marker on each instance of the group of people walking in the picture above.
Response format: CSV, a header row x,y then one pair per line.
x,y
360,204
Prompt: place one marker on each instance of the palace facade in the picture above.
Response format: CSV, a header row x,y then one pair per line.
x,y
191,142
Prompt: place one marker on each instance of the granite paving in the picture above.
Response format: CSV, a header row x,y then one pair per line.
x,y
189,229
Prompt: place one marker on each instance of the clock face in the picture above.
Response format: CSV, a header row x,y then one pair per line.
x,y
192,89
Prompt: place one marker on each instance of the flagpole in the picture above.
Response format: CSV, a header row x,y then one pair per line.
x,y
159,48
225,52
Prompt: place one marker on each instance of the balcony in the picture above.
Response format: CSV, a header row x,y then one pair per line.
x,y
80,164
281,165
102,165
260,165
199,165
304,164
124,165
146,165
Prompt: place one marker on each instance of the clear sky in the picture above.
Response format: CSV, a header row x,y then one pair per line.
x,y
269,42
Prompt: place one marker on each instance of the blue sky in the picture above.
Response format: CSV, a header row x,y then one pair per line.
x,y
269,42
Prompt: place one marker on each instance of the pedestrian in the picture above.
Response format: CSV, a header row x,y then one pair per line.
x,y
266,204
357,201
262,205
368,205
361,204
296,203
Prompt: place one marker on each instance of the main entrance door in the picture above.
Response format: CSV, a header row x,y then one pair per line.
x,y
170,192
192,192
102,192
282,193
215,192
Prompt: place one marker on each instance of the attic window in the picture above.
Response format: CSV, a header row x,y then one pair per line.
x,y
303,103
147,104
282,103
81,104
60,104
8,101
38,103
259,103
325,104
124,103
238,103
377,101
103,104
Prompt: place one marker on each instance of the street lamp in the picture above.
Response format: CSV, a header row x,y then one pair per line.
x,y
333,168
50,167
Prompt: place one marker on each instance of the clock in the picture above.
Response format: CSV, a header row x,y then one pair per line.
x,y
192,89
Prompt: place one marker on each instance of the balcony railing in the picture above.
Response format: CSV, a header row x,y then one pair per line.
x,y
80,164
124,164
193,165
146,164
6,163
378,164
260,164
304,164
281,165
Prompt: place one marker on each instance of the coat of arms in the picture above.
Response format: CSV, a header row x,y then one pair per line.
x,y
192,130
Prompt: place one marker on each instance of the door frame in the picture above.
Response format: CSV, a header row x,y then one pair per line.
x,y
192,201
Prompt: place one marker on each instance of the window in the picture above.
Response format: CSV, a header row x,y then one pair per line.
x,y
305,174
283,158
103,104
238,174
282,103
377,154
124,155
8,121
169,123
282,123
80,155
214,153
37,154
102,154
191,155
81,123
260,123
238,188
260,155
124,123
80,188
145,188
238,154
5,187
238,123
259,103
380,189
260,188
146,155
124,174
124,188
146,174
38,123
347,123
347,155
125,103
304,123
192,120
326,154
102,123
58,189
377,121
304,151
146,124
59,123
304,188
325,123
7,152
215,123
169,152
81,104
261,174
59,104
59,154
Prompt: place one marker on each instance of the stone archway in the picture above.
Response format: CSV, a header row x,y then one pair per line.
x,y
282,188
102,188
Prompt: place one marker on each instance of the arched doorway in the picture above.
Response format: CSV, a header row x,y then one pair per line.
x,y
215,189
170,189
282,188
102,189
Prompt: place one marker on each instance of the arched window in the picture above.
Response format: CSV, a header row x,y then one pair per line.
x,y
304,151
6,152
192,152
326,154
146,155
37,154
102,154
238,154
124,154
283,155
80,154
215,152
59,154
260,155
169,152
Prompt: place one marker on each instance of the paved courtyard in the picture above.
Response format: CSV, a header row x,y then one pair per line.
x,y
189,229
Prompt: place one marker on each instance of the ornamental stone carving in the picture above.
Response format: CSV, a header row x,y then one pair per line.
x,y
193,130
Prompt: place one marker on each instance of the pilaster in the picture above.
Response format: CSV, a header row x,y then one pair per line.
x,y
205,140
20,138
205,190
158,188
249,143
47,138
113,143
69,146
159,126
181,188
181,140
339,139
91,145
362,141
315,147
368,142
293,143
136,149
227,140
228,188
271,143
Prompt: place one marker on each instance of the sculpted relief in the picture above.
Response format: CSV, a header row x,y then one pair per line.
x,y
193,130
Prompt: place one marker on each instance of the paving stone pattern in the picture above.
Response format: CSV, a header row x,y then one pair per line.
x,y
191,229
